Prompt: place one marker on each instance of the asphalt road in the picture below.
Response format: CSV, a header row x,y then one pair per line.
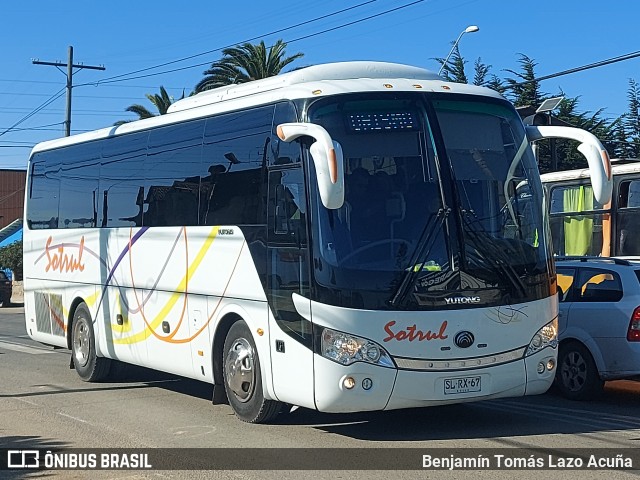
x,y
43,404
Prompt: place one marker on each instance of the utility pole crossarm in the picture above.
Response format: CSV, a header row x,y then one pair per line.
x,y
60,64
70,66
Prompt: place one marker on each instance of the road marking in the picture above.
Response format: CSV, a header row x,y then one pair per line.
x,y
72,417
17,347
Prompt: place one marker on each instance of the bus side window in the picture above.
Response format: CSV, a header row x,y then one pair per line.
x,y
627,225
287,206
121,186
172,171
44,192
235,154
283,153
79,177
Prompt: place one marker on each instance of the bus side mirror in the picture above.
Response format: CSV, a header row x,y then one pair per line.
x,y
591,148
327,159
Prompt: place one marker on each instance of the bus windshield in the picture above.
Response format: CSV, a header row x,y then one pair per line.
x,y
430,204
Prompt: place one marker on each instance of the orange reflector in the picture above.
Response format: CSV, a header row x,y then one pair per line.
x,y
317,92
260,332
333,166
280,133
388,85
200,353
607,163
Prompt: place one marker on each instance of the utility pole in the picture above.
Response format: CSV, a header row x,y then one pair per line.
x,y
70,66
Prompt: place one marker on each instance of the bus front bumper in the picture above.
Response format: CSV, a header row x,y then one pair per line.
x,y
364,387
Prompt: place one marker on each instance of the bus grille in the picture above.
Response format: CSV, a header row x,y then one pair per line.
x,y
49,317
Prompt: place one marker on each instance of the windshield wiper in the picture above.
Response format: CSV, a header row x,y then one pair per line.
x,y
492,255
425,242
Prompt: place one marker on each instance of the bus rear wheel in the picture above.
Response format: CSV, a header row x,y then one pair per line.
x,y
89,366
243,379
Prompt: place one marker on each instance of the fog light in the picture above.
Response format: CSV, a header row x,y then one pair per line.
x,y
349,383
367,383
551,364
541,367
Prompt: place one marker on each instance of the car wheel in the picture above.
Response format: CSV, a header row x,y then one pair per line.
x,y
89,366
577,376
242,377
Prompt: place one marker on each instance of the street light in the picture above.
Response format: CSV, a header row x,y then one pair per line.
x,y
469,29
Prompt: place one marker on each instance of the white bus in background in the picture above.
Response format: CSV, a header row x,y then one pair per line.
x,y
344,237
581,225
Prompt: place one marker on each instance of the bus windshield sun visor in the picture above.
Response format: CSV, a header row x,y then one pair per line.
x,y
327,159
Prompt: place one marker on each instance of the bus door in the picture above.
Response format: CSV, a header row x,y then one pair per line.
x,y
199,334
288,274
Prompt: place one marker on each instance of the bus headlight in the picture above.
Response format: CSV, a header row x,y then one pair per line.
x,y
347,349
547,336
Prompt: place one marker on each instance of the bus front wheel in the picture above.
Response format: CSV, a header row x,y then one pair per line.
x,y
242,377
86,362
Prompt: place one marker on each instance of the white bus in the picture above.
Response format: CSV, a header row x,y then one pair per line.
x,y
581,225
344,237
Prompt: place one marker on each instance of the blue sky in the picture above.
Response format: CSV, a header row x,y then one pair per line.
x,y
126,36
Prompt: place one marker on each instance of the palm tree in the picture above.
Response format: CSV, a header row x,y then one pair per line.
x,y
162,103
245,63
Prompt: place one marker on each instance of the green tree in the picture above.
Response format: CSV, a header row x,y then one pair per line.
x,y
11,258
524,89
594,122
631,121
162,103
453,70
245,63
481,72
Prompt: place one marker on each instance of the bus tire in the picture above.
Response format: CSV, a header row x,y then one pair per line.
x,y
243,379
577,376
86,362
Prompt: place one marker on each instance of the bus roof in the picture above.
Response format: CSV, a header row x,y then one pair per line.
x,y
309,82
580,173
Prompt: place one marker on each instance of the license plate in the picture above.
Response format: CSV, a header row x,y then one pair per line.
x,y
461,385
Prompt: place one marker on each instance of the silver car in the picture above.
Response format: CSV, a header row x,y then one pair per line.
x,y
599,324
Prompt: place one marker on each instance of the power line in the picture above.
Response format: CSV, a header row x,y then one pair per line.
x,y
46,103
601,63
348,24
120,79
39,127
306,22
70,66
115,79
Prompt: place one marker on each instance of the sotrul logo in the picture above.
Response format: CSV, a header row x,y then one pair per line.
x,y
461,300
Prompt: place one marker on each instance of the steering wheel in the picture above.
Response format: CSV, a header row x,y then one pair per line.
x,y
369,246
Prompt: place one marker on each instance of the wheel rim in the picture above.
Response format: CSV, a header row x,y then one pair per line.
x,y
574,371
81,342
240,369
